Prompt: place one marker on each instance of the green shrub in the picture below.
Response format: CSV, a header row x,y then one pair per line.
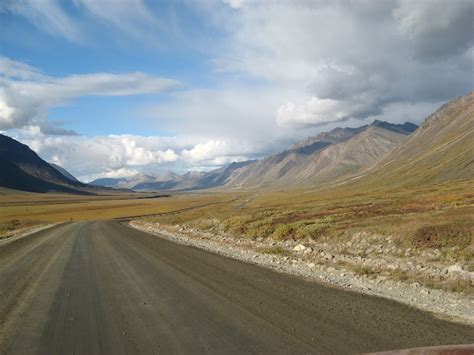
x,y
283,231
303,229
259,228
237,223
311,231
314,229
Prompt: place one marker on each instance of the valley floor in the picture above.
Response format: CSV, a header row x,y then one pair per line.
x,y
414,245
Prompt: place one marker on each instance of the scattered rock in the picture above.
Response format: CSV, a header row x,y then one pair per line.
x,y
456,268
299,247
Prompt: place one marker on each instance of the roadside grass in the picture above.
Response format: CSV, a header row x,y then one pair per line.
x,y
82,208
429,217
24,210
438,216
364,270
9,227
276,250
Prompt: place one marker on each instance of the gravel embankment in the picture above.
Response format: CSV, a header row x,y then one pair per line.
x,y
322,268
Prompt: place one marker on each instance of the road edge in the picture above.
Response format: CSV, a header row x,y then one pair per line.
x,y
433,301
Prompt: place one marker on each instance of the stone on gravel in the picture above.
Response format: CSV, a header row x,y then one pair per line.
x,y
454,269
299,247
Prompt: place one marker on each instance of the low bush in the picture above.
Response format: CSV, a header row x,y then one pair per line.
x,y
237,223
440,236
303,229
284,231
259,228
312,231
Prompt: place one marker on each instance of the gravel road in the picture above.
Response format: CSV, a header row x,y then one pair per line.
x,y
101,287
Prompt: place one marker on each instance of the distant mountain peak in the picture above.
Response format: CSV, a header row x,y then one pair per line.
x,y
340,134
405,128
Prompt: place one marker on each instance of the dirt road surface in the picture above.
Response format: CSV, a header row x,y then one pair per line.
x,y
103,288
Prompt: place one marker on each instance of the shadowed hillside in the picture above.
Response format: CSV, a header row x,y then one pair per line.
x,y
22,169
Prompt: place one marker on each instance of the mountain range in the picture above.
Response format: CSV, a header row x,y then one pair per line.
x,y
168,180
440,150
318,159
325,157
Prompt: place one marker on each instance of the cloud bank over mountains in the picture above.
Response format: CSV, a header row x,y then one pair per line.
x,y
126,155
276,71
355,58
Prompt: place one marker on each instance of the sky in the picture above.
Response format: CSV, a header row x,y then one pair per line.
x,y
114,88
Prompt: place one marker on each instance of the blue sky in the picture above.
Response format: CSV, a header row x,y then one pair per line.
x,y
102,47
114,88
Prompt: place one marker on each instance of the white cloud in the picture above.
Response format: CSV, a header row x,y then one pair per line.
x,y
215,153
126,155
241,113
134,154
25,102
234,3
128,15
315,111
110,173
131,17
47,15
15,69
205,151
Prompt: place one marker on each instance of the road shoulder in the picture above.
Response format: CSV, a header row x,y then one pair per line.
x,y
442,304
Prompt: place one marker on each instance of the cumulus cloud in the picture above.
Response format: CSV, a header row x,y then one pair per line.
x,y
125,155
26,95
101,154
216,153
109,173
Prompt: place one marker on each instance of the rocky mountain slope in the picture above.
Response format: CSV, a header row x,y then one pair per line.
x,y
325,157
441,150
